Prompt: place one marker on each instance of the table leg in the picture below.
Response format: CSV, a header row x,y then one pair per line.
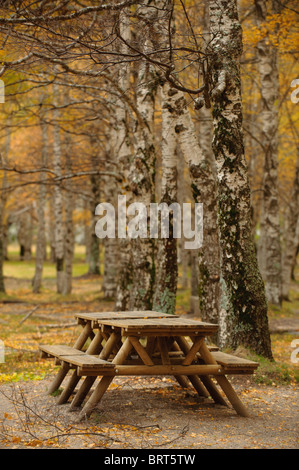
x,y
84,335
224,384
89,381
81,340
196,381
59,378
93,348
105,381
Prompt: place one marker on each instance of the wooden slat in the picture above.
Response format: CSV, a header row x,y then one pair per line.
x,y
229,360
94,316
168,370
161,326
57,350
87,361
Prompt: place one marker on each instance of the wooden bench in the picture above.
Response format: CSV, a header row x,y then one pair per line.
x,y
233,364
85,364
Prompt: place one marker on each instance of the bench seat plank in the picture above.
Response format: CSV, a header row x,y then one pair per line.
x,y
87,361
57,350
75,357
228,360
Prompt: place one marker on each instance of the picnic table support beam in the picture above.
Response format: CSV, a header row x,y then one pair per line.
x,y
89,381
194,379
59,378
224,384
93,348
81,340
105,381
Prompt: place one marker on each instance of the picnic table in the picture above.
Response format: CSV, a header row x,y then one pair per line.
x,y
146,343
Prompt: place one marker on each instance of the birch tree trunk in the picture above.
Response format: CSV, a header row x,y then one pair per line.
x,y
69,226
41,235
142,185
58,199
3,199
123,155
248,321
111,245
204,191
25,234
270,249
290,241
167,270
94,256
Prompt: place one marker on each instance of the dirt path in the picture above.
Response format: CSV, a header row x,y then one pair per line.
x,y
150,414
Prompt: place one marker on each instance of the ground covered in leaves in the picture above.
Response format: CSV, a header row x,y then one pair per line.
x,y
150,414
135,413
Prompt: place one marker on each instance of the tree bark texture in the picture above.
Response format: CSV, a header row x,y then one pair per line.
x,y
142,185
58,198
123,155
290,239
248,321
270,248
69,226
167,270
204,190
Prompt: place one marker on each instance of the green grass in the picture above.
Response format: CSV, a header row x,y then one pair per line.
x,y
26,269
15,268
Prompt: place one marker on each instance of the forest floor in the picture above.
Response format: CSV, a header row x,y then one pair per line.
x,y
135,413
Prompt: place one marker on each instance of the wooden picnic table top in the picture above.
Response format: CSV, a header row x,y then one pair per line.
x,y
94,316
148,322
160,326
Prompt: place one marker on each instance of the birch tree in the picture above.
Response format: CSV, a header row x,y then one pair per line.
x,y
95,180
290,239
58,199
167,272
270,248
142,185
41,203
68,225
3,199
248,321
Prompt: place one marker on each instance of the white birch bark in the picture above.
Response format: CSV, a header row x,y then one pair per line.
x,y
95,181
41,203
123,156
204,191
270,248
142,185
112,255
58,198
68,226
167,270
